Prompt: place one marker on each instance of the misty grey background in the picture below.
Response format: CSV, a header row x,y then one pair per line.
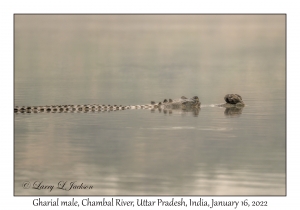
x,y
133,59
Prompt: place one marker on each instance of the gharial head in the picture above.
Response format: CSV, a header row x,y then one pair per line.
x,y
195,98
196,101
193,102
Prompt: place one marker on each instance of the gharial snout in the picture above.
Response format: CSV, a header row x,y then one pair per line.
x,y
233,99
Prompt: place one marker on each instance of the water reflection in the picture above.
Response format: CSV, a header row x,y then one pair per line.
x,y
194,111
233,111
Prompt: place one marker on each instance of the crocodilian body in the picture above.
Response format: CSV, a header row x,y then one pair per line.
x,y
183,103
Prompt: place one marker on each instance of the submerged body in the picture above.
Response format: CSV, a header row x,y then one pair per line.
x,y
183,103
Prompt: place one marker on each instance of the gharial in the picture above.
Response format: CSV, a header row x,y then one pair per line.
x,y
184,103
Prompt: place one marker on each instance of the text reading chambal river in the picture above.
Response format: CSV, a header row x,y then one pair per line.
x,y
211,203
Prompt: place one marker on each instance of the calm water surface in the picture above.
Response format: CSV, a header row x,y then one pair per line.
x,y
128,60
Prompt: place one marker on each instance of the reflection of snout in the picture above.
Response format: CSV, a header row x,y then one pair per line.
x,y
233,111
